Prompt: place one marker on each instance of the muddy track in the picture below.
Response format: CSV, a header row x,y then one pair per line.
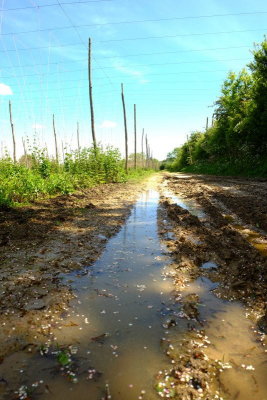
x,y
213,228
205,252
232,233
42,240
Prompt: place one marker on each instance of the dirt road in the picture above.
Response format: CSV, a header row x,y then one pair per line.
x,y
210,249
39,242
228,226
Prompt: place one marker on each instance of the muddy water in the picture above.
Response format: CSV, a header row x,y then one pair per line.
x,y
232,341
188,204
114,323
113,328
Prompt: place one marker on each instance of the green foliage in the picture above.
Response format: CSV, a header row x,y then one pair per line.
x,y
36,175
237,141
64,358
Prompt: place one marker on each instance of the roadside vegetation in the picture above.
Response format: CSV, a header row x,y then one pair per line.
x,y
36,175
236,143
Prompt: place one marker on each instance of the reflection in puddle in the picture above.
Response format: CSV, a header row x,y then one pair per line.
x,y
209,265
232,341
114,324
188,204
258,240
109,341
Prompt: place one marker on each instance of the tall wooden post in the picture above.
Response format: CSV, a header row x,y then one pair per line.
x,y
135,136
190,152
13,133
142,147
63,151
25,152
125,129
91,94
146,153
55,137
24,147
78,139
207,123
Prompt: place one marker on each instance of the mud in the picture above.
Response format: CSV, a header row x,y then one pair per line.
x,y
231,235
44,239
219,274
212,318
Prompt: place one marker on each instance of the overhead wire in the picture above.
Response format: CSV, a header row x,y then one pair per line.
x,y
138,65
139,55
54,4
133,21
152,37
81,39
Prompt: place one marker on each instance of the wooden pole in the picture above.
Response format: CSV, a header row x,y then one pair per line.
x,y
13,133
142,144
63,151
78,139
135,136
190,153
207,123
55,137
24,147
91,94
25,152
146,153
125,129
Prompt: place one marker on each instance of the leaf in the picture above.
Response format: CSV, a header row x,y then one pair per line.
x,y
63,358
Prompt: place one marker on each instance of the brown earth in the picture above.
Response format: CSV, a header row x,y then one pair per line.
x,y
42,240
225,242
232,233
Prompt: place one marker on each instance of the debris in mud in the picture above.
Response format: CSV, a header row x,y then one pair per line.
x,y
242,272
107,395
192,374
90,205
101,338
39,241
37,304
93,374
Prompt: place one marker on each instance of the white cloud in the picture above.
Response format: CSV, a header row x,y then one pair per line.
x,y
108,124
5,90
129,71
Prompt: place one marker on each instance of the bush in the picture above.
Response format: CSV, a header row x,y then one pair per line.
x,y
19,183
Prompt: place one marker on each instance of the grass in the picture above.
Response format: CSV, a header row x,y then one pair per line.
x,y
38,176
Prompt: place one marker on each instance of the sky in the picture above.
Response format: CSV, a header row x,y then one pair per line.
x,y
172,57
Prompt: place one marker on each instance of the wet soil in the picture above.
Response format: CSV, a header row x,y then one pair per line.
x,y
44,239
175,307
231,232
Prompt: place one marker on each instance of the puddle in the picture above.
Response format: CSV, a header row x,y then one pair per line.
x,y
256,239
114,323
232,341
253,235
113,329
209,265
188,204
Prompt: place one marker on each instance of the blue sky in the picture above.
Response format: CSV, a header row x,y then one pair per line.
x,y
172,57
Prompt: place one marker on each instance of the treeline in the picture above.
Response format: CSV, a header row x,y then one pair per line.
x,y
236,143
